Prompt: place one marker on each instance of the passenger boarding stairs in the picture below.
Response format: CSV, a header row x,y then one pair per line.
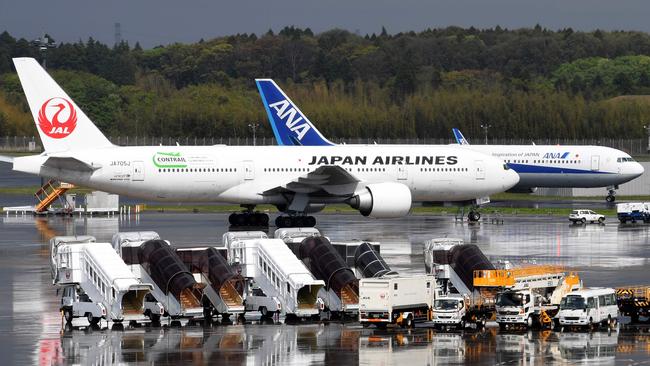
x,y
100,274
275,270
48,193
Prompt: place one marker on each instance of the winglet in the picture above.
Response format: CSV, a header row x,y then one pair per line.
x,y
460,139
290,125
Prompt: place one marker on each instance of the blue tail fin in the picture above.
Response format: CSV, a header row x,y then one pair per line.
x,y
290,125
460,139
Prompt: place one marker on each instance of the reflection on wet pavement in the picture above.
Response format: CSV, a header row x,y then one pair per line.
x,y
31,327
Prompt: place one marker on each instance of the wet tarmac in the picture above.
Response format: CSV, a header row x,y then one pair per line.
x,y
32,331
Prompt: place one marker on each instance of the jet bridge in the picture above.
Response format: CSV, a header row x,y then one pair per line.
x,y
175,293
279,282
96,282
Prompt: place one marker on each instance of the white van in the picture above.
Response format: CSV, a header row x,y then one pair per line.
x,y
589,308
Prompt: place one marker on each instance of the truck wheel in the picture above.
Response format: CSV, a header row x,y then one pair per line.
x,y
408,322
265,313
601,220
530,321
67,314
91,319
503,326
207,313
583,220
461,325
155,318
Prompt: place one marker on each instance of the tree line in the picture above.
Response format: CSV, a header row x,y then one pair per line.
x,y
526,83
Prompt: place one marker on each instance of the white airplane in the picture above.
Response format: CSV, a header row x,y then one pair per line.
x,y
537,165
379,180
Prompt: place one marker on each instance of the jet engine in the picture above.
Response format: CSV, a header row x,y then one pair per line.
x,y
382,200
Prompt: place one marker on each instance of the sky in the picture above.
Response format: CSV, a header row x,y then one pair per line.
x,y
167,21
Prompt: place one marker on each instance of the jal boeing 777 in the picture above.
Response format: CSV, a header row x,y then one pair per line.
x,y
379,181
537,165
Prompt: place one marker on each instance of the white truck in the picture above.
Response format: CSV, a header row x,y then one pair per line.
x,y
396,300
456,310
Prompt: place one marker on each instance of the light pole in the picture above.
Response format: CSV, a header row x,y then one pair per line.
x,y
647,130
43,43
485,128
253,126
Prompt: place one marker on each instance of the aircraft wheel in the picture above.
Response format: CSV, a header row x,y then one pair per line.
x,y
474,216
310,221
232,219
610,198
67,314
262,219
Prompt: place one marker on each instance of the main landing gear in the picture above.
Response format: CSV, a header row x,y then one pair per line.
x,y
295,221
611,194
249,218
473,216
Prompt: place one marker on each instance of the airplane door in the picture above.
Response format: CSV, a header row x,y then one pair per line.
x,y
138,171
595,162
402,173
249,170
480,169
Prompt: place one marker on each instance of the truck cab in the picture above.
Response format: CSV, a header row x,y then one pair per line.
x,y
449,311
516,307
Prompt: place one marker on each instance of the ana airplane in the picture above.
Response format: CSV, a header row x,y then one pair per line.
x,y
379,181
537,165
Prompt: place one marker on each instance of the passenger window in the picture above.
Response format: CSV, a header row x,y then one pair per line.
x,y
601,300
428,284
591,303
395,286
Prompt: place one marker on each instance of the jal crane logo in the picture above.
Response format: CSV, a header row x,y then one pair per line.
x,y
57,118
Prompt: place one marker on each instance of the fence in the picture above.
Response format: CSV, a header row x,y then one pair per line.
x,y
33,144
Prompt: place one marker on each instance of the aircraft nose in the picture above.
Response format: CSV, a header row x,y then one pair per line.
x,y
510,180
637,170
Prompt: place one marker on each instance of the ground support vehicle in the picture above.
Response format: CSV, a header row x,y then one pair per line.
x,y
588,308
528,296
633,212
585,216
634,301
458,311
396,300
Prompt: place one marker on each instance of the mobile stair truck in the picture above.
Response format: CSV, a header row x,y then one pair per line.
x,y
528,296
396,300
453,263
96,283
278,282
633,212
341,292
225,289
176,294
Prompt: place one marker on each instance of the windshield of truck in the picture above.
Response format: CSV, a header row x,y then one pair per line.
x,y
572,302
446,304
510,299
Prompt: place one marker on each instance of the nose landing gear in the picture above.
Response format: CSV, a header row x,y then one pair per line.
x,y
611,194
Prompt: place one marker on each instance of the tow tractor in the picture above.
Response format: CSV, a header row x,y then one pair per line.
x,y
634,301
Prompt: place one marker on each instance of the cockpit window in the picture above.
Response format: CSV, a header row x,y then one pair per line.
x,y
506,167
624,160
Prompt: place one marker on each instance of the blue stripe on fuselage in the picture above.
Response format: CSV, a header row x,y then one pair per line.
x,y
537,169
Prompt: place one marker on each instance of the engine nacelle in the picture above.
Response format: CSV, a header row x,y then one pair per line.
x,y
383,200
516,189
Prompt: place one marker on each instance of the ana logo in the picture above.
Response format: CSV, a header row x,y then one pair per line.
x,y
556,155
57,118
169,160
284,109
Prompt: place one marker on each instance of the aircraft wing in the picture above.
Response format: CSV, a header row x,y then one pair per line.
x,y
69,163
6,159
326,180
